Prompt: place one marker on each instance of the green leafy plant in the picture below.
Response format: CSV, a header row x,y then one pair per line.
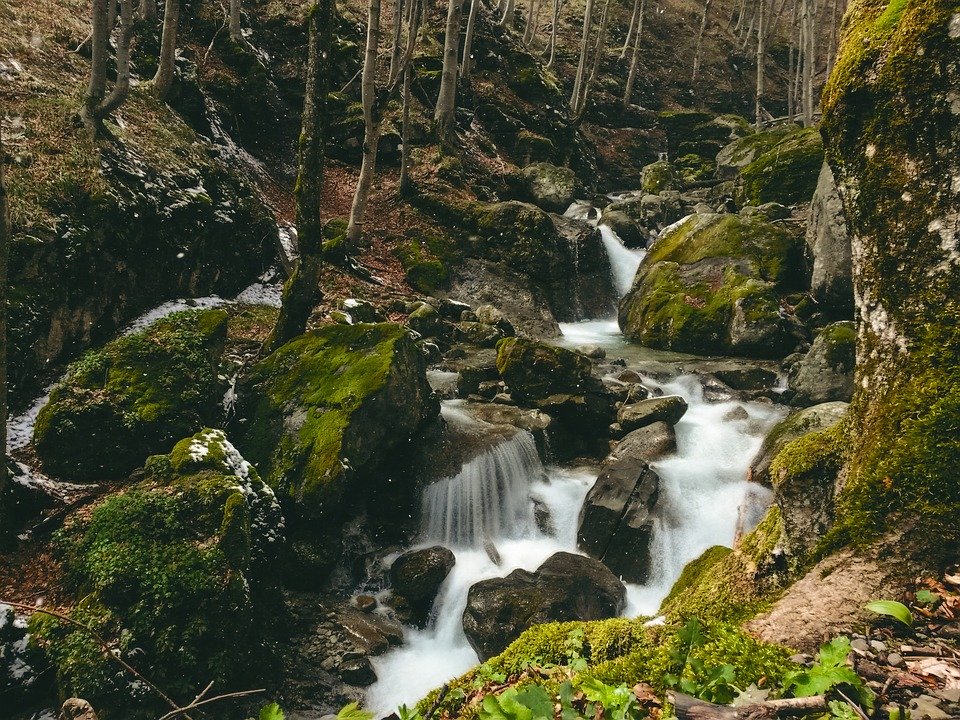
x,y
573,646
271,712
529,703
692,676
611,703
405,713
927,598
353,712
891,608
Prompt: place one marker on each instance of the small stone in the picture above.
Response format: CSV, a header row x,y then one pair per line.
x,y
860,645
367,603
358,671
927,707
737,413
594,352
951,695
503,399
801,659
878,646
329,664
894,659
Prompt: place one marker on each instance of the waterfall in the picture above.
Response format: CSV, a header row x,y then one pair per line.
x,y
623,261
488,499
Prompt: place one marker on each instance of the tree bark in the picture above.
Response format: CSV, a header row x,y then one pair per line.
x,y
633,26
690,708
235,32
584,51
761,57
509,12
163,79
529,30
597,57
99,48
405,184
121,88
808,63
699,47
5,530
791,60
301,293
443,116
396,48
371,129
148,9
552,45
466,65
634,61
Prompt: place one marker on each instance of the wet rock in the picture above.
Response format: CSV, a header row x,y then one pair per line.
x,y
489,389
668,409
474,369
361,310
367,603
565,587
625,227
370,633
739,375
616,520
737,414
535,370
659,176
594,352
454,309
357,671
786,173
416,577
489,315
425,320
825,374
479,334
818,417
829,244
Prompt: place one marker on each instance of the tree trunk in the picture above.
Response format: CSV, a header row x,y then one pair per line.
x,y
99,48
597,57
405,184
235,33
4,254
691,708
148,9
761,51
808,63
467,64
633,26
121,88
791,105
163,80
530,29
371,129
301,293
443,116
699,48
396,48
584,51
111,16
552,46
634,61
509,12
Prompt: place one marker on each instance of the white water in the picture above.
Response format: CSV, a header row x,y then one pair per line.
x,y
623,261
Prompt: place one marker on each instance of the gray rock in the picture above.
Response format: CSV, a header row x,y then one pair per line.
x,y
818,417
416,577
489,315
832,281
550,187
358,671
668,409
926,707
616,521
860,645
826,372
77,709
566,587
625,227
371,634
895,659
594,352
425,320
479,334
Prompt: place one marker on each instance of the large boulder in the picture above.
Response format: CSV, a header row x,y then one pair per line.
x,y
811,419
652,213
786,173
134,397
416,578
712,284
616,520
829,244
668,409
549,187
535,370
735,156
180,566
565,587
658,177
825,374
323,411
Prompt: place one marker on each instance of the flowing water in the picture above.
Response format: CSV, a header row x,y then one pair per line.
x,y
623,261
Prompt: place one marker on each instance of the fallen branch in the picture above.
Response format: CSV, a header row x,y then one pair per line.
x,y
690,708
436,703
216,698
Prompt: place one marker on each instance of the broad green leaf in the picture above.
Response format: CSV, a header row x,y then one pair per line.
x,y
353,712
926,597
271,712
834,653
539,702
891,608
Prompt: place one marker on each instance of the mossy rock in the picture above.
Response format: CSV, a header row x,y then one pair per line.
x,y
826,373
427,262
694,168
743,151
328,407
659,177
712,285
700,133
134,397
535,370
176,569
787,173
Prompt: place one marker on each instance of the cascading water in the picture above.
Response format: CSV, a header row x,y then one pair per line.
x,y
623,261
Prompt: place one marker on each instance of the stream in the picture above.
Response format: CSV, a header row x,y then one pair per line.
x,y
703,494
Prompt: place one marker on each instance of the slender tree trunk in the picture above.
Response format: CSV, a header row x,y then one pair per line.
x,y
148,9
808,63
466,65
597,57
163,80
552,46
405,184
741,15
5,530
791,60
630,30
121,88
235,31
509,12
535,30
761,52
301,293
832,45
396,46
584,51
634,61
443,116
530,29
699,47
111,16
99,48
371,133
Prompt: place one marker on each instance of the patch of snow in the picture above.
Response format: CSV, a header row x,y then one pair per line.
x,y
20,427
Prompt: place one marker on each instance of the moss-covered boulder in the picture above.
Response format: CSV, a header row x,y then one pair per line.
x,y
535,370
700,133
548,186
787,173
712,284
179,571
658,177
323,411
743,151
134,397
892,126
825,374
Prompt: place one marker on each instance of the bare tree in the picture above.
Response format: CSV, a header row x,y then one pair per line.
x,y
634,60
533,17
807,22
371,131
466,64
552,44
761,57
443,116
235,33
148,10
163,79
396,48
4,254
413,29
301,293
631,29
699,47
598,52
791,62
509,12
96,106
584,52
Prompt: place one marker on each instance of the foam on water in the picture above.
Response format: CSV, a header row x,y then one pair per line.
x,y
623,261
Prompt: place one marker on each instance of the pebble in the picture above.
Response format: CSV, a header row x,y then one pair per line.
x,y
329,664
951,695
860,645
927,707
894,659
878,646
801,659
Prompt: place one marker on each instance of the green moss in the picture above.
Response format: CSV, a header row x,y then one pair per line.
x,y
658,177
821,451
178,567
787,173
694,168
133,397
841,344
427,261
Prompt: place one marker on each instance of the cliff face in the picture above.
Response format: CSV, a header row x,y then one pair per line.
x,y
892,125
